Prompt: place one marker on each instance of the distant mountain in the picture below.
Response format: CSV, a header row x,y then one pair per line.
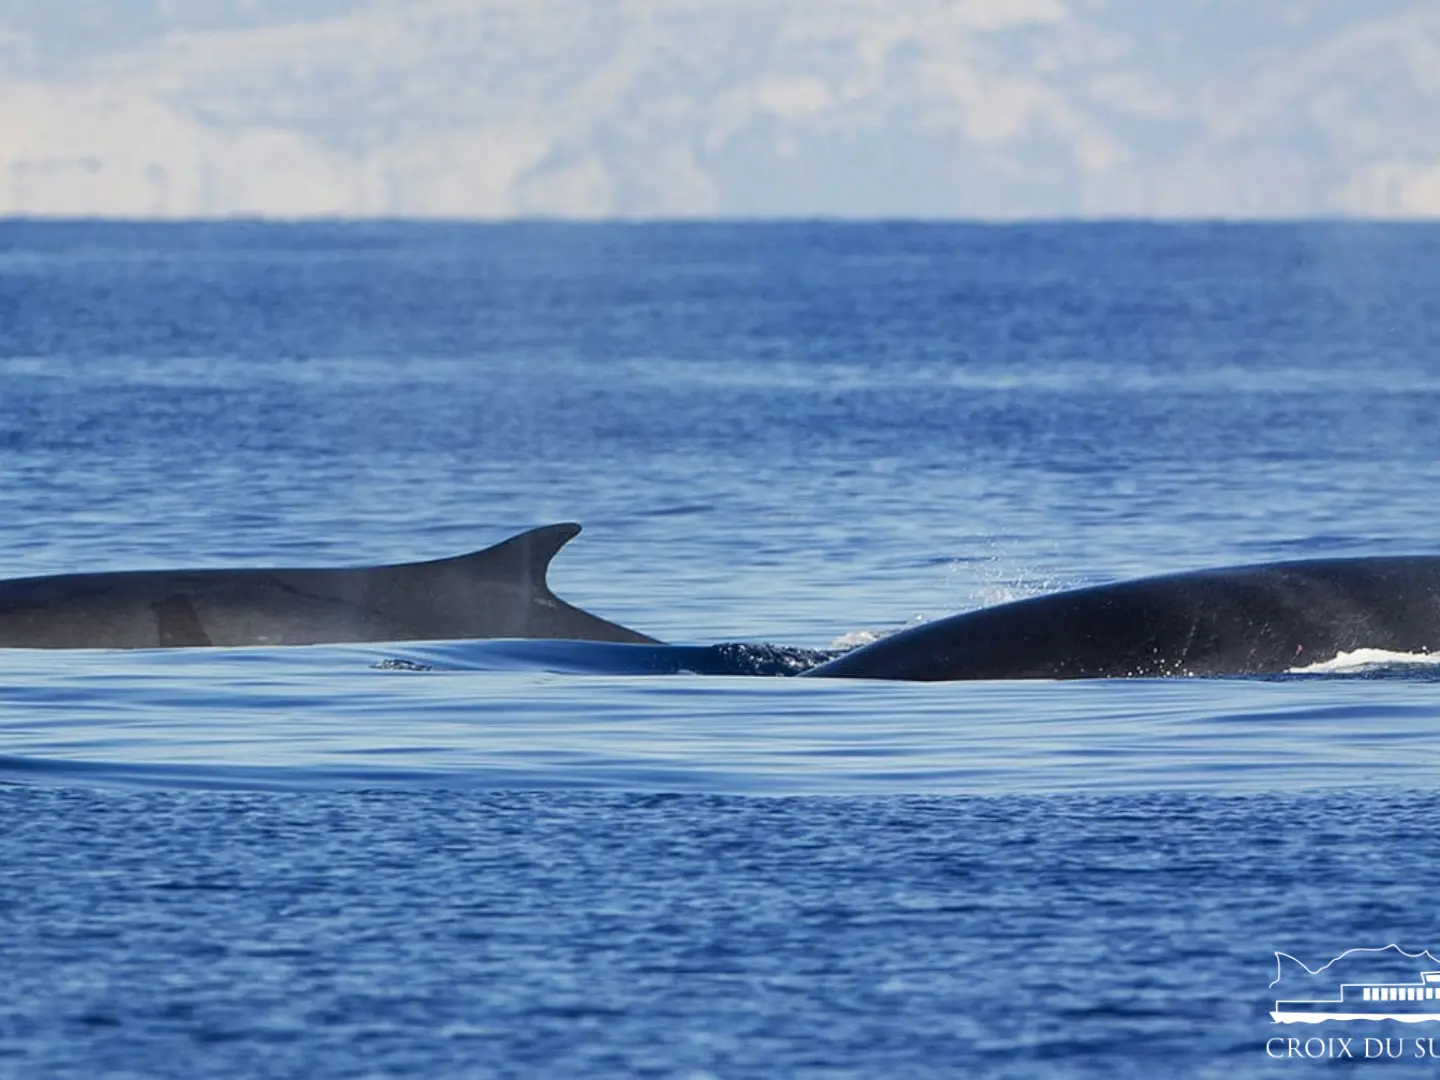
x,y
594,108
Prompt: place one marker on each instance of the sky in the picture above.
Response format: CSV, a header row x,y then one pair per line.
x,y
495,109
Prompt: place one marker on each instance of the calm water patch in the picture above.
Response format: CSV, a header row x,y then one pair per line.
x,y
496,715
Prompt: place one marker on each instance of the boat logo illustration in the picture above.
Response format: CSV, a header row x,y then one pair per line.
x,y
1389,984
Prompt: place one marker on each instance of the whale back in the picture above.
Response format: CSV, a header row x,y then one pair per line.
x,y
498,592
1233,621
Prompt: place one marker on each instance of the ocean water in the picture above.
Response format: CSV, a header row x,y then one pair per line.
x,y
546,859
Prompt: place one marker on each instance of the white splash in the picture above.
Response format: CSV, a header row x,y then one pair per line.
x,y
854,639
1365,659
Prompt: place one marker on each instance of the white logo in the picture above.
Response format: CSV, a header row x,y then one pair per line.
x,y
1411,995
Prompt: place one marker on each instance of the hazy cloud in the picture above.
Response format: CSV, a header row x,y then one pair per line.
x,y
496,108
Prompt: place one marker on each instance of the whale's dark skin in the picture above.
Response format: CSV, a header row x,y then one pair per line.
x,y
1248,620
496,593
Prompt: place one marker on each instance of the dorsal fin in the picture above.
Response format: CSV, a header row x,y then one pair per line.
x,y
525,557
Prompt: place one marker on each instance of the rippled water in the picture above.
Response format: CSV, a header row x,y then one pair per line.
x,y
801,434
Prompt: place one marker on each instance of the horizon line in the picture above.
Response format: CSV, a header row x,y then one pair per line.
x,y
244,218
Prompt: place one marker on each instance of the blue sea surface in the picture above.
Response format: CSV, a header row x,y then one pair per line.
x,y
535,859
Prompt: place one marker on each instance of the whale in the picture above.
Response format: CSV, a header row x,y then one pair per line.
x,y
1246,620
500,592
